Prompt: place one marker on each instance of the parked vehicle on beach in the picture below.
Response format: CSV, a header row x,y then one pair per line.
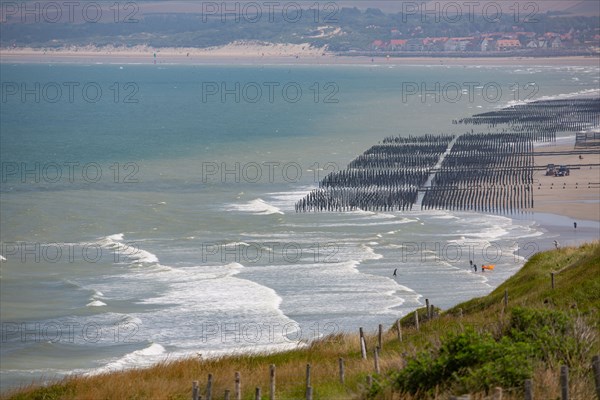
x,y
563,170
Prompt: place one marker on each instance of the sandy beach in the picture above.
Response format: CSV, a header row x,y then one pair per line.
x,y
255,54
577,195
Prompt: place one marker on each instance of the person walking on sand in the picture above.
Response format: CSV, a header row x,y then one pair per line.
x,y
395,271
574,225
475,267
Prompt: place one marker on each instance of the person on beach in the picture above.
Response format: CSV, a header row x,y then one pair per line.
x,y
396,270
574,225
475,267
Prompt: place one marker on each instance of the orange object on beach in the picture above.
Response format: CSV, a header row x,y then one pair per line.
x,y
487,267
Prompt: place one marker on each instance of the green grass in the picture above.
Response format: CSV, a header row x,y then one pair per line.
x,y
490,343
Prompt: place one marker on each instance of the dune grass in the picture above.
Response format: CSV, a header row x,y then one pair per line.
x,y
576,293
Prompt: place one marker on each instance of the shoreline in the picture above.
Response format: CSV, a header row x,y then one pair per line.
x,y
256,55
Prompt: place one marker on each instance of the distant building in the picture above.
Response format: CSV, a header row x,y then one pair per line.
x,y
397,44
557,43
488,45
508,44
378,45
414,45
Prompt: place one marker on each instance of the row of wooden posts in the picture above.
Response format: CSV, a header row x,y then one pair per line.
x,y
430,310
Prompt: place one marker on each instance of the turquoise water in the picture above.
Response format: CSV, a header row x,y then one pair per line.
x,y
165,226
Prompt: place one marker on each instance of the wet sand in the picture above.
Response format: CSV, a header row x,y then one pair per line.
x,y
577,195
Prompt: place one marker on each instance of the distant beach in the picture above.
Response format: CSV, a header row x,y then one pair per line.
x,y
255,54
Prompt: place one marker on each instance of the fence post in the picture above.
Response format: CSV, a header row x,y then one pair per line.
x,y
497,393
209,387
399,330
307,378
238,386
226,397
416,319
380,336
272,382
257,394
505,297
195,390
528,390
363,344
369,381
564,382
596,369
552,279
309,393
376,356
427,307
342,372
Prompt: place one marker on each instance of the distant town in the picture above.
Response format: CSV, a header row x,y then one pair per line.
x,y
491,43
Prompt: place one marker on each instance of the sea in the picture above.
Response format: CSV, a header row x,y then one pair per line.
x,y
147,210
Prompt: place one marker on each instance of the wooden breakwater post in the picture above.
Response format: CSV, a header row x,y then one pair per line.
x,y
416,320
209,387
380,336
363,344
238,386
272,382
596,370
399,327
427,308
342,370
376,359
195,390
564,382
528,388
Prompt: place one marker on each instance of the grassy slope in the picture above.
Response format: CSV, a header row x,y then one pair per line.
x,y
577,286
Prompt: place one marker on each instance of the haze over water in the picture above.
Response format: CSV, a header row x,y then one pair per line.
x,y
166,226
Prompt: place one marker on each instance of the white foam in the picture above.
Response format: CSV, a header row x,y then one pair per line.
x,y
256,207
96,303
144,357
2,258
129,252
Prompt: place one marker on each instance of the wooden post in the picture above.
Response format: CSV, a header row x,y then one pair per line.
x,y
376,356
432,314
363,348
505,297
427,307
497,393
257,394
209,387
399,330
528,390
363,342
460,313
552,279
309,393
564,382
226,397
238,386
307,377
380,336
596,369
195,390
342,372
272,382
369,381
416,319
